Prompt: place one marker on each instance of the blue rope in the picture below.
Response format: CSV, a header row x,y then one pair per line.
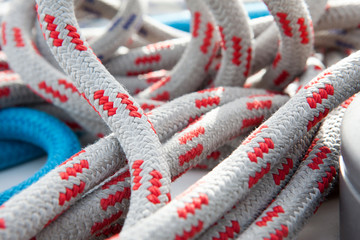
x,y
17,152
39,129
181,20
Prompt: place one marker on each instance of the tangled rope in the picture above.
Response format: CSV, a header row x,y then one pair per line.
x,y
162,102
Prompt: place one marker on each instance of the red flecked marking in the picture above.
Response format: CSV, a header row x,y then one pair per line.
x,y
262,95
303,31
299,88
136,174
147,59
114,237
106,222
104,101
168,196
284,171
207,39
189,208
209,101
190,234
136,73
54,219
73,125
151,125
285,23
258,175
35,48
312,145
259,151
322,94
180,174
237,50
5,73
270,215
165,96
191,154
327,7
68,85
248,62
254,134
74,170
196,26
129,105
212,57
2,223
218,66
159,45
52,28
147,107
318,68
200,166
317,80
281,78
116,180
75,38
280,234
317,207
327,179
38,19
37,93
18,37
215,155
162,82
153,77
4,66
3,35
346,103
72,157
112,199
71,193
223,40
154,189
276,60
229,231
83,95
193,120
211,90
317,119
192,134
55,93
252,122
138,90
110,231
320,156
4,92
259,104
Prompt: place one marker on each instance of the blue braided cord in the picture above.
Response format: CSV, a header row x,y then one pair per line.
x,y
42,130
15,152
181,20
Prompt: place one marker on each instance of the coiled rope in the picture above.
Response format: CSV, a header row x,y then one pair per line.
x,y
198,112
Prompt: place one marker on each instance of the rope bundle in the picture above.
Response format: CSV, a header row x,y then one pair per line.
x,y
177,102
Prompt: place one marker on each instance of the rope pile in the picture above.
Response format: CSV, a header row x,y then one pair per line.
x,y
162,101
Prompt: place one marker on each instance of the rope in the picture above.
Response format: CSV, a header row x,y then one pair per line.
x,y
249,100
29,126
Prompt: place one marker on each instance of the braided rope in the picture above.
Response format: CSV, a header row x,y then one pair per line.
x,y
59,145
120,184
